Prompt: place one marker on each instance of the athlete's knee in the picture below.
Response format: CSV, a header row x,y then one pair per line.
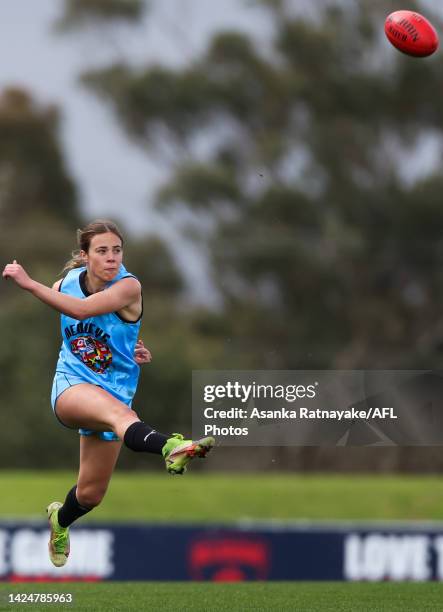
x,y
90,496
122,414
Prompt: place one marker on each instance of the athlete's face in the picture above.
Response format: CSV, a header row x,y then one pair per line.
x,y
104,256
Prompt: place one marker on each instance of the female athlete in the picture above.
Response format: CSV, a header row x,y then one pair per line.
x,y
97,372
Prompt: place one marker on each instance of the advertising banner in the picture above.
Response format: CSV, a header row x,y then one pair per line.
x,y
228,554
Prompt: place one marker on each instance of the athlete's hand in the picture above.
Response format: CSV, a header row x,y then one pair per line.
x,y
141,353
18,274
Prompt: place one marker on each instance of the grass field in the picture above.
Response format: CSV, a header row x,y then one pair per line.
x,y
230,497
227,498
207,597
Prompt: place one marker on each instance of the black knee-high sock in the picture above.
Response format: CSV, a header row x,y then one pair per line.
x,y
71,509
141,438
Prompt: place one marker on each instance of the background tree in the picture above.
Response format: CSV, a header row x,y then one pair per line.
x,y
81,13
38,211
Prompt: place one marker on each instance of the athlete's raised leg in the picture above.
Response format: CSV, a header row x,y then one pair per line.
x,y
91,407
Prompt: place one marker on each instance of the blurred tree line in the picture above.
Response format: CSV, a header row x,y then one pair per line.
x,y
287,162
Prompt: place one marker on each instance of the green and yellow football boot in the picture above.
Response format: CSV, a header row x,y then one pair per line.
x,y
177,452
59,538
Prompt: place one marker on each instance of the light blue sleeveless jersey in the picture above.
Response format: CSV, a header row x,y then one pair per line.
x,y
99,350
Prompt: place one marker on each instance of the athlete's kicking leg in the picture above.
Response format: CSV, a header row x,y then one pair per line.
x,y
92,407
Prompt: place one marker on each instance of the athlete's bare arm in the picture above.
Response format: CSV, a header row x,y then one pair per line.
x,y
123,293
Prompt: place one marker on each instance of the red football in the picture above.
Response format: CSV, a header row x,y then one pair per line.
x,y
411,33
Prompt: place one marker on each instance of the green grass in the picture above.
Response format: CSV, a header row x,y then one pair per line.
x,y
228,497
208,597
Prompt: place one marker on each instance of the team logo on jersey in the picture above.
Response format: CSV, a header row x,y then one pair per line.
x,y
93,353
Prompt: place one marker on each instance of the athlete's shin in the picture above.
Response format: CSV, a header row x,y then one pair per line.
x,y
72,509
140,437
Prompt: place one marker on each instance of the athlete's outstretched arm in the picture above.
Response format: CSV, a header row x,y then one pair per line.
x,y
123,293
